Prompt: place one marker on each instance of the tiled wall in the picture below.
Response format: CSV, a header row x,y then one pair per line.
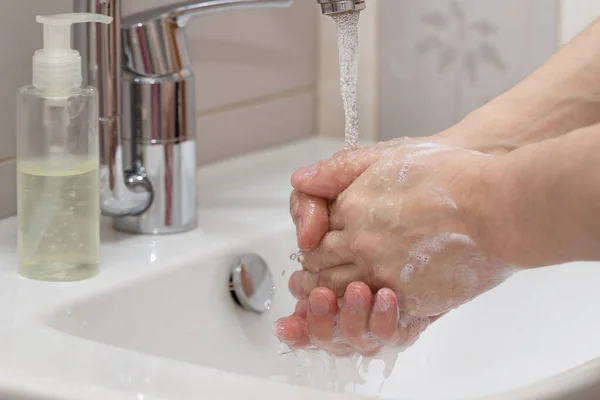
x,y
20,36
255,73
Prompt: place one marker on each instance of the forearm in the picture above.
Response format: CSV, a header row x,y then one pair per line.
x,y
559,97
539,205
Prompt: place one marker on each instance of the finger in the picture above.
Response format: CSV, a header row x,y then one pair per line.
x,y
354,316
301,309
322,310
294,204
332,251
337,219
292,331
328,178
384,317
311,217
336,279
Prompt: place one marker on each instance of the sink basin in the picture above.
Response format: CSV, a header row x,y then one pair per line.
x,y
159,321
536,325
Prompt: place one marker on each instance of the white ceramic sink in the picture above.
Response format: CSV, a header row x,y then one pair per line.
x,y
536,325
159,321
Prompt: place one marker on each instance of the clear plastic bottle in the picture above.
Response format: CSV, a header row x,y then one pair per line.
x,y
57,161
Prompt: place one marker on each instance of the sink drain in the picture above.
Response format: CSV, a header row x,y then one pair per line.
x,y
251,283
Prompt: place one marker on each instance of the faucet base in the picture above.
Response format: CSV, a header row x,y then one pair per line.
x,y
131,225
170,169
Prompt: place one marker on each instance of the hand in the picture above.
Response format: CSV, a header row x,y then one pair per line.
x,y
401,225
309,212
364,324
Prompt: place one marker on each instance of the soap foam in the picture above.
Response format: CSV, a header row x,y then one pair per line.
x,y
406,273
410,158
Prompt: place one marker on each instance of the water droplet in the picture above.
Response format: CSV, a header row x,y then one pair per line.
x,y
297,257
283,273
268,304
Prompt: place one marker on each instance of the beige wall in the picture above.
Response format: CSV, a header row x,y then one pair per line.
x,y
575,15
255,72
407,92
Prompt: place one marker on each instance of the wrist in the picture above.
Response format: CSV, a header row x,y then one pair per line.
x,y
480,131
487,203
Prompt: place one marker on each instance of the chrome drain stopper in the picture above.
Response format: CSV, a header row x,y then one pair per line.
x,y
251,283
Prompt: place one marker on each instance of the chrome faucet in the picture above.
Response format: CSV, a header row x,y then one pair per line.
x,y
141,67
329,7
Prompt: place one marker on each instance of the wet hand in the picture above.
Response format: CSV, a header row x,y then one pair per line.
x,y
309,210
400,225
316,186
364,324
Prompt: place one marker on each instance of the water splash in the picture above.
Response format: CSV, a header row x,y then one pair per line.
x,y
299,256
318,369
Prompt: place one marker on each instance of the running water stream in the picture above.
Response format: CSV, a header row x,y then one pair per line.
x,y
316,368
347,32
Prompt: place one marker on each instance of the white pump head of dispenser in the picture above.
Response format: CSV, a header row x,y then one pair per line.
x,y
57,67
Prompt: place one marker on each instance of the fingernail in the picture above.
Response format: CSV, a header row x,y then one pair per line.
x,y
279,330
319,305
306,173
382,304
353,300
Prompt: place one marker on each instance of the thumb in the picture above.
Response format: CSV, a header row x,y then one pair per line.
x,y
328,178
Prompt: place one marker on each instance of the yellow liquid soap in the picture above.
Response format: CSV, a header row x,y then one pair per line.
x,y
59,218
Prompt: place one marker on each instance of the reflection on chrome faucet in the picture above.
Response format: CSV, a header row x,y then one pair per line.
x,y
141,67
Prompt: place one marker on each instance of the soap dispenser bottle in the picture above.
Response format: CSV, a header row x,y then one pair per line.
x,y
57,161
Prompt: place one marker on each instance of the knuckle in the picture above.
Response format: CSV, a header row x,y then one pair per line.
x,y
309,262
327,280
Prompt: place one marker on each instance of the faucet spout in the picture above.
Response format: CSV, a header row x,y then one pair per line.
x,y
147,110
329,7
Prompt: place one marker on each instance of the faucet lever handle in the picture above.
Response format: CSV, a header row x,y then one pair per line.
x,y
159,24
